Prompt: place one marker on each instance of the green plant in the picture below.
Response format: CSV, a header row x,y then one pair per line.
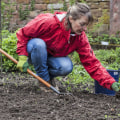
x,y
23,13
79,75
75,57
104,37
9,45
5,33
118,55
6,14
69,88
114,39
82,1
111,58
52,9
90,38
64,6
106,116
72,2
32,5
118,34
109,55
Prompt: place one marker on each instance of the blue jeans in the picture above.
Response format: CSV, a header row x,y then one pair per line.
x,y
47,66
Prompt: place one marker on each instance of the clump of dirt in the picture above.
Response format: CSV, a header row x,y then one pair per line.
x,y
22,99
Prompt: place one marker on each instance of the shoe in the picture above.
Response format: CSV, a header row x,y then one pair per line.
x,y
53,83
43,87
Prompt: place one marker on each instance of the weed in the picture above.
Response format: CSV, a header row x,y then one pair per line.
x,y
32,5
6,15
23,13
16,85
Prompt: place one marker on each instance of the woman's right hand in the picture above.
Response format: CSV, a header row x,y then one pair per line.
x,y
22,63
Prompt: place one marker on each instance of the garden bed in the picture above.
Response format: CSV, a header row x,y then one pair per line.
x,y
22,99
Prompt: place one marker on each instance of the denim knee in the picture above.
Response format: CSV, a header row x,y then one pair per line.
x,y
35,43
66,68
60,66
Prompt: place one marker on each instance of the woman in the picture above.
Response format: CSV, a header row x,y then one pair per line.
x,y
49,38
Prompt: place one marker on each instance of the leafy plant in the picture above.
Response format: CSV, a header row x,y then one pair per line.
x,y
118,55
72,2
23,13
109,56
9,45
75,57
52,9
113,39
79,75
82,1
6,14
32,5
5,33
64,6
90,38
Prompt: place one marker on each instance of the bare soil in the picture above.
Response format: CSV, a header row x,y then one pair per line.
x,y
22,99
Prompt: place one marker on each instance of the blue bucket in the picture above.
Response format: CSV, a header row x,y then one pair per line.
x,y
101,90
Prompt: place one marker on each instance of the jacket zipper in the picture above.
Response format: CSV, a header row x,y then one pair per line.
x,y
69,40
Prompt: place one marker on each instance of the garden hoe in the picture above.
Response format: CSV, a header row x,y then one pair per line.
x,y
34,75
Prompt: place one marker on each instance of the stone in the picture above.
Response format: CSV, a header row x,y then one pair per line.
x,y
40,6
55,6
39,1
33,14
23,1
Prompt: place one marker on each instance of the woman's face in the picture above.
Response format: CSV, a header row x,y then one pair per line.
x,y
78,25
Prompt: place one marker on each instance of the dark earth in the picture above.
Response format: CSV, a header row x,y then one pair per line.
x,y
22,99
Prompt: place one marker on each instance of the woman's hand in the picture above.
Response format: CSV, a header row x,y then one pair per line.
x,y
116,86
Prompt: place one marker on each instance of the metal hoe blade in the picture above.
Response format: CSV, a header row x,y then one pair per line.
x,y
58,92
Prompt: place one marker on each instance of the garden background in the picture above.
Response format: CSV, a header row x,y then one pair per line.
x,y
106,27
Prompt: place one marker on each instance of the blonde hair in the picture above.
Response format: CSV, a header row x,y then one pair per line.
x,y
76,11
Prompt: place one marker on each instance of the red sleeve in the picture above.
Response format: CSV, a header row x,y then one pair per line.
x,y
34,29
92,64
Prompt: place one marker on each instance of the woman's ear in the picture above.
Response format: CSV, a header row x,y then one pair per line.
x,y
70,19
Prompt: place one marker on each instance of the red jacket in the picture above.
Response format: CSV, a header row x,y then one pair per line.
x,y
60,43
